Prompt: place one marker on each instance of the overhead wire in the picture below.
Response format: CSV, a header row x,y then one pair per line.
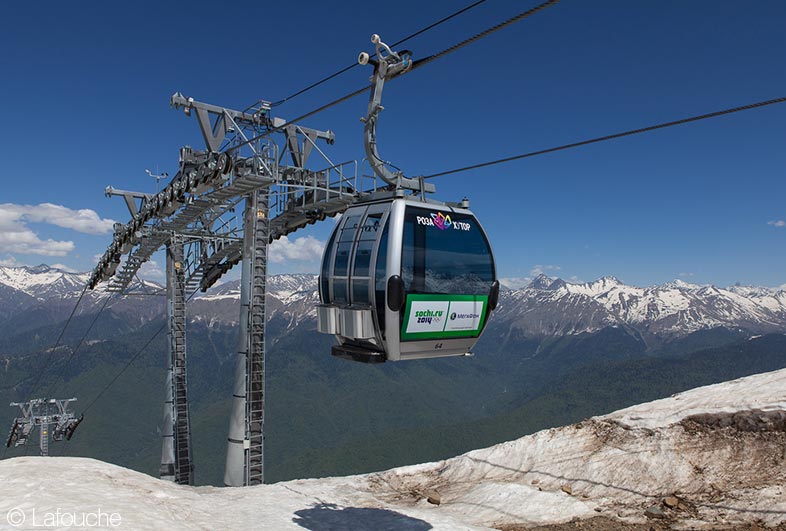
x,y
610,137
82,340
402,41
78,346
130,362
119,374
416,65
124,369
486,33
48,359
44,365
73,352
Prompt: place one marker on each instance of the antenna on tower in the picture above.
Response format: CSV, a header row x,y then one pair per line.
x,y
157,177
43,413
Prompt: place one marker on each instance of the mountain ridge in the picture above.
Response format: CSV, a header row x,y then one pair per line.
x,y
546,307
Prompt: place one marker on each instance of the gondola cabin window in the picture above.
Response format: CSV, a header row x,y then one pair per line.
x,y
445,253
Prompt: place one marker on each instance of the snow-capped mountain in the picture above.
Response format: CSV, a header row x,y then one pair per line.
x,y
46,283
285,288
554,307
546,307
708,458
55,291
42,281
549,306
292,296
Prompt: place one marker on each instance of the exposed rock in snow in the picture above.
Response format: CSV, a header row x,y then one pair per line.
x,y
726,470
716,452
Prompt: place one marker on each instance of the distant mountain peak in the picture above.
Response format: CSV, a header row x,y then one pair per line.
x,y
681,284
40,268
541,282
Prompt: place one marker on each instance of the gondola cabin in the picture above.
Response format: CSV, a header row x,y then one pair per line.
x,y
406,279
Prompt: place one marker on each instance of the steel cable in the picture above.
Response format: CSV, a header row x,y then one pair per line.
x,y
417,64
353,65
611,137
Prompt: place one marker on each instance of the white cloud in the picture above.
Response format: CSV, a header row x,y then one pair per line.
x,y
10,262
17,237
777,223
541,269
303,249
515,282
83,220
64,267
686,275
151,270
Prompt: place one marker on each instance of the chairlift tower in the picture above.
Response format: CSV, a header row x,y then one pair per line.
x,y
280,190
43,413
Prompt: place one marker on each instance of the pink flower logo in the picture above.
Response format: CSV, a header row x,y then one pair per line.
x,y
441,220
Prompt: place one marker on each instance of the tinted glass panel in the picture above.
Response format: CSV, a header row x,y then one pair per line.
x,y
324,296
370,227
342,259
348,230
445,252
360,291
340,290
363,258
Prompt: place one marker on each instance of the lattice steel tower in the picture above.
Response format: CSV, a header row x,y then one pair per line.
x,y
194,218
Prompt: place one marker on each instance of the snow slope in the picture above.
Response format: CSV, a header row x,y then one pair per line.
x,y
718,449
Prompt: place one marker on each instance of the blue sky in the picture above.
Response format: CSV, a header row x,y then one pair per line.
x,y
86,88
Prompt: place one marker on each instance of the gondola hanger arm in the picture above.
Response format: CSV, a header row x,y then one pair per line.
x,y
388,65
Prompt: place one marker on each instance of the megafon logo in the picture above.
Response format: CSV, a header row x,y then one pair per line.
x,y
441,220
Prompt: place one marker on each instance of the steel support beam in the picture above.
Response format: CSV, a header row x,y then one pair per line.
x,y
255,363
167,470
245,443
176,454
